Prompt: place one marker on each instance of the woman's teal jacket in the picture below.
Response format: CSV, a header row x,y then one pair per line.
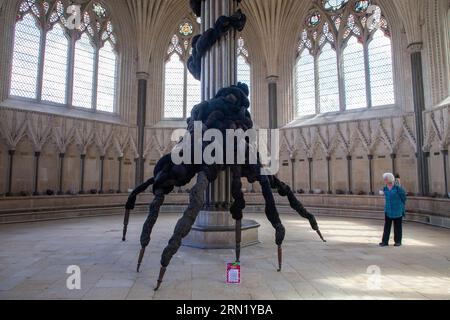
x,y
395,201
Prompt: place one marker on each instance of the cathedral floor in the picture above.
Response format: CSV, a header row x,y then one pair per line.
x,y
34,259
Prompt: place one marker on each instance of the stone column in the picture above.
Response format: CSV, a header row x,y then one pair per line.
x,y
102,174
119,182
349,174
11,154
329,175
445,163
370,157
61,174
82,168
394,167
141,115
419,107
37,156
293,175
310,170
214,227
273,102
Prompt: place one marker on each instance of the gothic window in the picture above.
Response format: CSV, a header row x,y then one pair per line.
x,y
59,61
243,65
181,90
344,58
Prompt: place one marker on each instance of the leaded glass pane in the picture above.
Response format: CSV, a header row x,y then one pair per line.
x,y
174,88
193,94
334,5
243,71
381,74
305,85
355,75
106,87
328,80
83,73
55,66
25,58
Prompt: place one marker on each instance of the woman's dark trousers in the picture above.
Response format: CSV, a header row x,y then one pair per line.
x,y
398,232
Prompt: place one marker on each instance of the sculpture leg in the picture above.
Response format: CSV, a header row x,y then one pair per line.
x,y
131,203
273,216
295,204
184,225
126,219
149,223
237,206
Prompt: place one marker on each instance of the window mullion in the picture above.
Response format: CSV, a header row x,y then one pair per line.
x,y
70,70
316,82
95,81
185,92
367,77
341,78
40,78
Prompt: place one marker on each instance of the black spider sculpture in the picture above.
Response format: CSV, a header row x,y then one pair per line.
x,y
228,110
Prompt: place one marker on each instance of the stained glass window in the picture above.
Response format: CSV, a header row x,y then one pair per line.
x,y
181,90
381,73
328,80
174,87
306,94
26,58
83,73
334,5
244,74
344,47
107,77
43,38
186,29
55,66
354,75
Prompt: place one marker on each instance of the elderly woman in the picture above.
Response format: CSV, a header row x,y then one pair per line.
x,y
395,200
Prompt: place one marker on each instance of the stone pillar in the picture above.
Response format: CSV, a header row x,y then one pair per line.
x,y
370,157
445,163
310,170
349,174
293,175
394,167
419,107
37,156
102,174
82,168
11,154
273,102
61,174
119,182
141,115
214,227
329,175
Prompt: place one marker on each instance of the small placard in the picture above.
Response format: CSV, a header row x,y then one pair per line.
x,y
233,273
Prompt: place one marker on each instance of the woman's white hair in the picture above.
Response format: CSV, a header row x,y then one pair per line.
x,y
389,176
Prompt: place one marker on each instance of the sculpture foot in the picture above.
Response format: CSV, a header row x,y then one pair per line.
x,y
162,272
280,258
141,257
321,236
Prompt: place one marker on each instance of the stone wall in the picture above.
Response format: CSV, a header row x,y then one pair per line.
x,y
434,212
32,135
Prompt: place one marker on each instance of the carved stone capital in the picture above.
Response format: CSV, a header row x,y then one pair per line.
x,y
272,79
415,47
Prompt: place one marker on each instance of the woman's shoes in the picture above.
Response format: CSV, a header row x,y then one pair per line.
x,y
387,245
